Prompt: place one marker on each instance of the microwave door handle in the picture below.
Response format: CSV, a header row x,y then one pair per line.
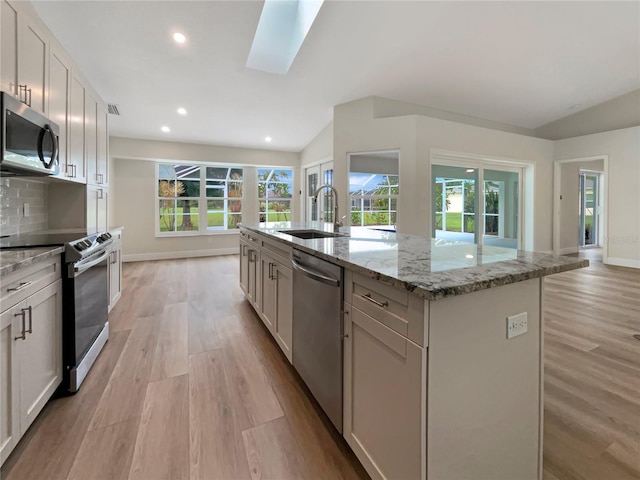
x,y
54,140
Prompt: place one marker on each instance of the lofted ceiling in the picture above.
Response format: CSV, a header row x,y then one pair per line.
x,y
521,63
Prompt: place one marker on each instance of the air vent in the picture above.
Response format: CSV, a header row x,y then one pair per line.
x,y
113,109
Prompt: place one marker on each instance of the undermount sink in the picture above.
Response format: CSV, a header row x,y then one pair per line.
x,y
311,234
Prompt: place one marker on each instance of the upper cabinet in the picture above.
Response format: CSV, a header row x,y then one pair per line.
x,y
59,88
35,69
9,48
25,52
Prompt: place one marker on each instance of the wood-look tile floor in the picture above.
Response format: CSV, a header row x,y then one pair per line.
x,y
191,385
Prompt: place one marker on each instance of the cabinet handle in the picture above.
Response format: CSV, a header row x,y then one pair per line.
x,y
244,250
271,274
24,331
115,257
251,259
100,194
19,287
30,310
367,296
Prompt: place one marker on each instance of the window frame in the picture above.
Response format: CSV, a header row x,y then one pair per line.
x,y
266,198
362,198
202,199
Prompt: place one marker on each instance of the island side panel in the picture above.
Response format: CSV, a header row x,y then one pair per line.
x,y
484,390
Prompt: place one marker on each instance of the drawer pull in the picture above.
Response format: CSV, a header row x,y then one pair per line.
x,y
19,287
30,310
367,296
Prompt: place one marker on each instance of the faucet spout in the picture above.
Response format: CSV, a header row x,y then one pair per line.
x,y
336,219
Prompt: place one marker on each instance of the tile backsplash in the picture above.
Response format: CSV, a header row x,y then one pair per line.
x,y
14,194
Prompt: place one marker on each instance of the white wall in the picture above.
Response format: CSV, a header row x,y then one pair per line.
x,y
617,113
622,237
133,193
356,130
320,148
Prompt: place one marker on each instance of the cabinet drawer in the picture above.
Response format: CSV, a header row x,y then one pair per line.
x,y
20,284
281,252
397,309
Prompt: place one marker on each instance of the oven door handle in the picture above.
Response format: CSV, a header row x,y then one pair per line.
x,y
83,267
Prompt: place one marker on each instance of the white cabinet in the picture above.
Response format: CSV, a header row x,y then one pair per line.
x,y
31,353
9,394
33,53
102,157
384,398
59,84
115,268
268,291
283,321
76,167
266,279
8,48
97,201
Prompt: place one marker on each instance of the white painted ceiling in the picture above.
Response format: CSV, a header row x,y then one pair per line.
x,y
521,63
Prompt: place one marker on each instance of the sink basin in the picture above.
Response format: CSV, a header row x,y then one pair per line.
x,y
311,234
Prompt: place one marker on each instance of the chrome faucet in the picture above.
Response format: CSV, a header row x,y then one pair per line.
x,y
336,222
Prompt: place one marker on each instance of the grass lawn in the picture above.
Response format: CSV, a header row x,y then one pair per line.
x,y
214,219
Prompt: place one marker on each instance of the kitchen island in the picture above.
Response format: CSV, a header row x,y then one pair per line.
x,y
443,351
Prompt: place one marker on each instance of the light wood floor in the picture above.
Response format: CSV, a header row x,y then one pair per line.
x,y
190,385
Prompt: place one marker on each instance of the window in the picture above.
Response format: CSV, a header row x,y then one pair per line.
x,y
274,194
195,198
374,198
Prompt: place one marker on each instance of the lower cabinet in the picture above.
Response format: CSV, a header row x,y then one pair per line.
x,y
115,269
384,398
244,267
277,301
30,361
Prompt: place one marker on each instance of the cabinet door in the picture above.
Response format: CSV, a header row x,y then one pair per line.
x,y
10,327
283,326
59,82
254,279
91,138
40,354
384,398
76,167
115,275
101,214
244,267
8,48
32,63
92,208
268,291
102,161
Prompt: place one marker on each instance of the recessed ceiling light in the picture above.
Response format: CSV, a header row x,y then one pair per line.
x,y
182,111
267,139
470,170
165,129
469,256
179,37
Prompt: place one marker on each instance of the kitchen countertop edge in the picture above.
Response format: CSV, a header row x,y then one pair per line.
x,y
520,271
12,260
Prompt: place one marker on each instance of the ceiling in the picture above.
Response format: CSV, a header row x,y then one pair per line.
x,y
521,63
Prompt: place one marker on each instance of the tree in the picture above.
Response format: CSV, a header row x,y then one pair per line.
x,y
170,189
272,184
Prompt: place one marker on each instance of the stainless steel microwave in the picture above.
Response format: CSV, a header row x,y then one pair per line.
x,y
29,140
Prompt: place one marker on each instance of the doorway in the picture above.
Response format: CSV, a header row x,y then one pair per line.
x,y
315,176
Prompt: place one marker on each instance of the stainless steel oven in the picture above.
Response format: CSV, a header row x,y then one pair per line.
x,y
86,302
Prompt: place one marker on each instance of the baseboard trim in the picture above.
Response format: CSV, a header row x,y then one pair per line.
x,y
568,250
143,257
622,262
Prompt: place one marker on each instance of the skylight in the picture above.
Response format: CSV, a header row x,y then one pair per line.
x,y
282,28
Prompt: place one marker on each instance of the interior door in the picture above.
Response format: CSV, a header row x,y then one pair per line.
x,y
588,210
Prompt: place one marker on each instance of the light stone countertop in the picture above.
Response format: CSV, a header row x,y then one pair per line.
x,y
429,268
15,259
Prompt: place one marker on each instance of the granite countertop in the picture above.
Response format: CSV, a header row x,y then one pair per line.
x,y
429,268
15,259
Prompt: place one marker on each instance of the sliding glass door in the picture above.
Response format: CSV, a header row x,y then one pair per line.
x,y
466,212
588,210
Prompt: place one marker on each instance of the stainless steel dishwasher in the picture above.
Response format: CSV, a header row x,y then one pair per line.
x,y
317,330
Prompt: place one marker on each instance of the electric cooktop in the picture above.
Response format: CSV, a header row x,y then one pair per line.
x,y
40,239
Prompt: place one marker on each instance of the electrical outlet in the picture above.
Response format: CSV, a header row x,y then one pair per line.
x,y
25,209
517,325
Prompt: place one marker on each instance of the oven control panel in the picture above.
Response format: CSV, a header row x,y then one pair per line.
x,y
86,246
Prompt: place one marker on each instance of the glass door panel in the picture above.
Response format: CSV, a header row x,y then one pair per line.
x,y
312,183
588,209
455,212
501,208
